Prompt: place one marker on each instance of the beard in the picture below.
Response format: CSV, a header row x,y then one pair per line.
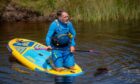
x,y
66,21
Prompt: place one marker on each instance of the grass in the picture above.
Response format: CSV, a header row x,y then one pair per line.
x,y
86,10
45,7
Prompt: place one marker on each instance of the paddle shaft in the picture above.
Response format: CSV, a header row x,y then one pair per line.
x,y
83,50
63,49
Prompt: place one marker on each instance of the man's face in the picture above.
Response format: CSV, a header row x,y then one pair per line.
x,y
64,17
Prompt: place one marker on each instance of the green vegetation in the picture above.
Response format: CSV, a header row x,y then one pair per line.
x,y
87,10
102,10
45,7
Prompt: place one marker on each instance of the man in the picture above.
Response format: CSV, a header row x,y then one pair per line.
x,y
61,39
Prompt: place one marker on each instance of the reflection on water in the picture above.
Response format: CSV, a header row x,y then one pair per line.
x,y
117,44
64,80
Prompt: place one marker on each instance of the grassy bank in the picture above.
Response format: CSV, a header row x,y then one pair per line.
x,y
87,10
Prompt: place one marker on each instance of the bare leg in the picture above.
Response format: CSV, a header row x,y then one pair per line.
x,y
72,67
59,69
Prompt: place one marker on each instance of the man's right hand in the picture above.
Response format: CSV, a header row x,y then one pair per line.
x,y
48,48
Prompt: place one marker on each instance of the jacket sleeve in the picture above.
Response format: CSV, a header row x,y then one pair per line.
x,y
73,32
50,33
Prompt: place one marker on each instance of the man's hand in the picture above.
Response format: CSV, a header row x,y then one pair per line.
x,y
48,48
72,49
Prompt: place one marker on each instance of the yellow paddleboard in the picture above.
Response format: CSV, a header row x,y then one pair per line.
x,y
24,51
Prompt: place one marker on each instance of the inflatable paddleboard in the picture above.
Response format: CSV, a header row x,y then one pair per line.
x,y
24,51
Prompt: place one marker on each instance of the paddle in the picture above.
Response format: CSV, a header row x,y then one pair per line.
x,y
91,51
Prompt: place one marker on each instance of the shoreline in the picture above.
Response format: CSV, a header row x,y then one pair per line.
x,y
44,11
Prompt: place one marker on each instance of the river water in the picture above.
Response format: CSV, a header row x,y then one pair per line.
x,y
116,47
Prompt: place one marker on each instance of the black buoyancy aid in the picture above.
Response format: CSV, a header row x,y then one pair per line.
x,y
61,39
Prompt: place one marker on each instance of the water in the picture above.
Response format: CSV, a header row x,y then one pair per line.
x,y
117,45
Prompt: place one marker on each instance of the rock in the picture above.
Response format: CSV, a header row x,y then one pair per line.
x,y
100,71
14,13
52,16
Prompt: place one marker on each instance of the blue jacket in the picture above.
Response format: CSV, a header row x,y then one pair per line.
x,y
56,26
